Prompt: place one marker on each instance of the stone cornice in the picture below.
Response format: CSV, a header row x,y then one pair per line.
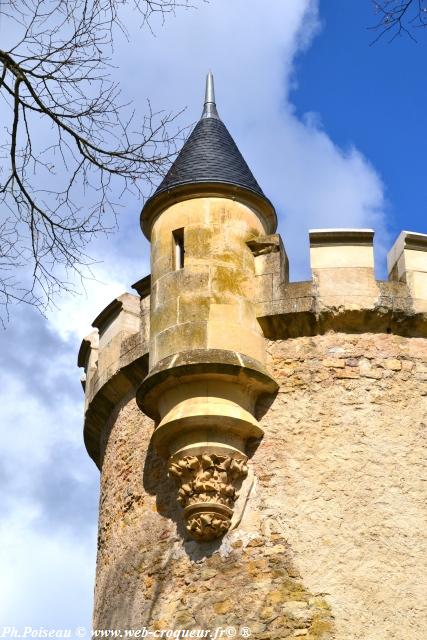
x,y
156,205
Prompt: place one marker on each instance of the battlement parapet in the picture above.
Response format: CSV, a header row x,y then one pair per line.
x,y
115,360
343,295
343,291
260,440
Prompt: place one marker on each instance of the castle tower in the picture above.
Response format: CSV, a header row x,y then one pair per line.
x,y
260,441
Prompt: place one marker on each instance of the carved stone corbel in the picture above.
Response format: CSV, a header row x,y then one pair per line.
x,y
203,403
209,489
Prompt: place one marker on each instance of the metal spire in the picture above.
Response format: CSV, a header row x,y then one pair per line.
x,y
209,108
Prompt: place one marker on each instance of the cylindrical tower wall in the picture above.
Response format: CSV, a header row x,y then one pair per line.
x,y
327,540
202,300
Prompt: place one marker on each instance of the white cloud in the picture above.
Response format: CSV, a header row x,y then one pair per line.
x,y
75,313
46,579
49,485
251,48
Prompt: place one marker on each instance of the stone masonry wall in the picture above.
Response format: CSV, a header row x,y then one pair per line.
x,y
328,535
345,451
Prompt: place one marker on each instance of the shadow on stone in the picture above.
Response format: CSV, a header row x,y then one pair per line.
x,y
157,482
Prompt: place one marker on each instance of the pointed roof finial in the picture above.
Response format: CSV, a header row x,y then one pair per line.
x,y
208,164
209,108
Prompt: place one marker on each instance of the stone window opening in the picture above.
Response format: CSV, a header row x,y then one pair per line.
x,y
178,248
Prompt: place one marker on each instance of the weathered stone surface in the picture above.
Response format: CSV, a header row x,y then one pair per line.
x,y
203,258
150,573
328,537
343,293
218,266
354,477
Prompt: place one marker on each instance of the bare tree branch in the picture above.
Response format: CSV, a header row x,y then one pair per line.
x,y
68,143
399,17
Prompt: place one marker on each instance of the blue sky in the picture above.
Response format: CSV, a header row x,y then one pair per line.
x,y
374,97
333,129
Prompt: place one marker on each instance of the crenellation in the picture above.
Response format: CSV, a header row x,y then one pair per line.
x,y
407,262
271,267
343,291
407,254
342,263
143,286
121,315
343,282
110,355
120,319
88,353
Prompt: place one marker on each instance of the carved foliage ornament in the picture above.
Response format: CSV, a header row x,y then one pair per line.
x,y
208,491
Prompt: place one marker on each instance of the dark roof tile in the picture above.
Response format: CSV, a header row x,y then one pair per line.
x,y
209,155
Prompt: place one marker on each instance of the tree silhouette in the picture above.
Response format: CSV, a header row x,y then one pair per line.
x,y
399,17
68,142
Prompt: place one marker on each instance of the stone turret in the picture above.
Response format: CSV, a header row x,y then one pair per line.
x,y
260,441
207,351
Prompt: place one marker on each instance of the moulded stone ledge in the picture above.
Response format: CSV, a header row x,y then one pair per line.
x,y
190,365
341,249
342,296
392,311
203,404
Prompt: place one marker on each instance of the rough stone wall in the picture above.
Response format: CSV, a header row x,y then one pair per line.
x,y
150,574
345,450
328,536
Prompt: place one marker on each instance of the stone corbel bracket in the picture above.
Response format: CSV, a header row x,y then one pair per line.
x,y
203,403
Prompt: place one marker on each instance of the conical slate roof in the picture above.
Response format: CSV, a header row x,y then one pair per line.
x,y
209,154
209,163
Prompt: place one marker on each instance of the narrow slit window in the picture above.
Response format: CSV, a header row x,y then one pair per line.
x,y
178,246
